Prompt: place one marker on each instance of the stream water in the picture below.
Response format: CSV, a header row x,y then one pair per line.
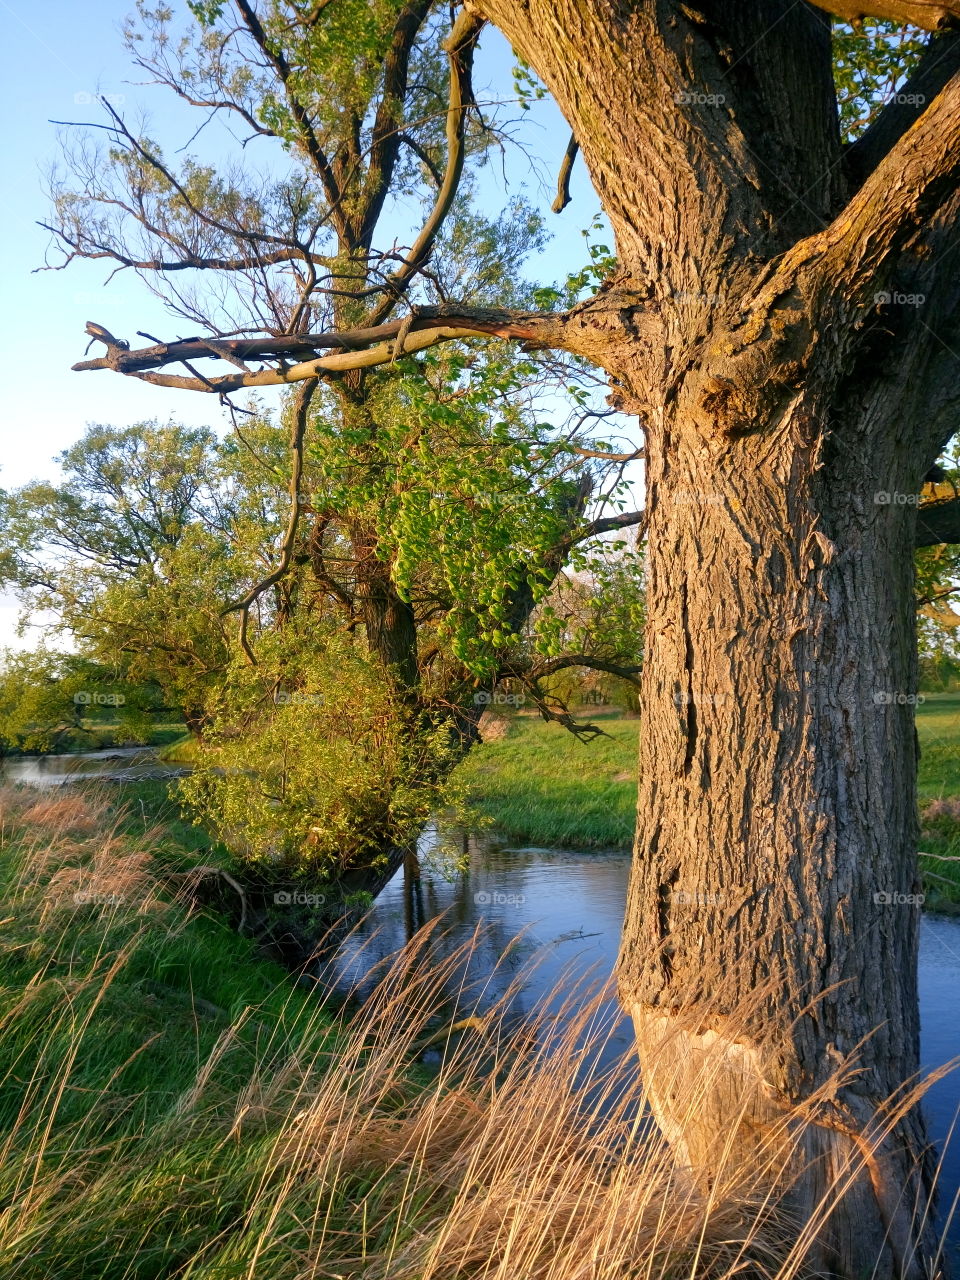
x,y
118,764
568,909
553,916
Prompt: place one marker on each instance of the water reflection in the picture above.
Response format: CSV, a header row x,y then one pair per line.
x,y
118,764
554,917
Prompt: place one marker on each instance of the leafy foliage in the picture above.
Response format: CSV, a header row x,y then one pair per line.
x,y
55,701
311,764
871,63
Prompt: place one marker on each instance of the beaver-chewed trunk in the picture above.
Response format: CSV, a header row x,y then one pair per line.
x,y
771,935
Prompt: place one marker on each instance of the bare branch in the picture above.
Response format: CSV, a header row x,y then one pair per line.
x,y
190,262
358,348
423,156
608,524
931,15
609,457
563,177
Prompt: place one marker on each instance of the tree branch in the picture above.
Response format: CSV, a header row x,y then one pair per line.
x,y
309,140
609,457
563,177
905,189
550,666
931,15
938,522
940,61
385,139
460,48
298,429
357,348
607,524
190,261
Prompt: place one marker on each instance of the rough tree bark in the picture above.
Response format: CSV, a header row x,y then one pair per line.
x,y
771,932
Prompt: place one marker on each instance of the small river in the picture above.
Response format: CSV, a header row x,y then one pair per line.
x,y
118,764
552,916
568,909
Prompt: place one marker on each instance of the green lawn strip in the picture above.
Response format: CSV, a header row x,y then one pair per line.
x,y
128,1038
541,785
938,729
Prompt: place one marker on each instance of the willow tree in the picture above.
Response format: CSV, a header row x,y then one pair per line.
x,y
784,320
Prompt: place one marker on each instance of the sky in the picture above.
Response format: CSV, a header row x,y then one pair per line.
x,y
55,56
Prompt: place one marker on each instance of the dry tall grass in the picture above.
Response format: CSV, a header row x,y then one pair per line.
x,y
327,1151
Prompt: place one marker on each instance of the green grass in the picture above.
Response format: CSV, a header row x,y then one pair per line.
x,y
112,1009
541,785
938,728
172,1107
180,750
145,805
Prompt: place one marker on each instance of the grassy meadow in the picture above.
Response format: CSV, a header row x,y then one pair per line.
x,y
541,785
173,1105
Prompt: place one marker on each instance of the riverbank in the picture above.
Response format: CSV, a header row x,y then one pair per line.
x,y
95,735
132,1025
540,785
173,1104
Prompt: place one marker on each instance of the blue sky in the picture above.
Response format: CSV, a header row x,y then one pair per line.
x,y
56,55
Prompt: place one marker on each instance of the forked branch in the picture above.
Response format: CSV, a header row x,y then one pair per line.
x,y
353,348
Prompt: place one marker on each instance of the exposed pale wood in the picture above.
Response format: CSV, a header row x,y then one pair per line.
x,y
931,15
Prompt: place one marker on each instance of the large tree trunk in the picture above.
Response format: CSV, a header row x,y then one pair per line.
x,y
771,931
769,951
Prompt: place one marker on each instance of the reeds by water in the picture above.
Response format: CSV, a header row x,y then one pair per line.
x,y
171,1106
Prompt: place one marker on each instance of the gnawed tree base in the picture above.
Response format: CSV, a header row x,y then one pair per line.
x,y
855,1180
